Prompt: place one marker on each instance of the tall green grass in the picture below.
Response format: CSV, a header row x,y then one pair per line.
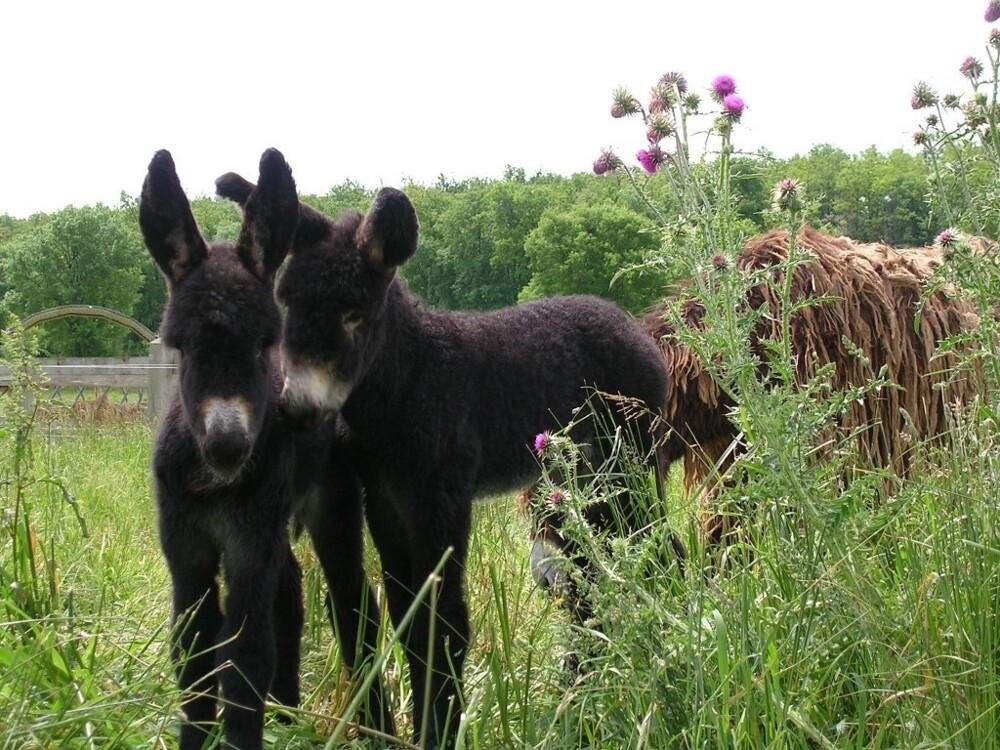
x,y
874,626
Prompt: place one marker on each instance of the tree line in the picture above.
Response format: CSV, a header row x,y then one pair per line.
x,y
484,243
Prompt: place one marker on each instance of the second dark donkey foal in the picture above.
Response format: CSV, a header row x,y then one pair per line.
x,y
441,407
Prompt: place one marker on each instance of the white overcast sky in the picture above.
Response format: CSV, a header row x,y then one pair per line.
x,y
380,91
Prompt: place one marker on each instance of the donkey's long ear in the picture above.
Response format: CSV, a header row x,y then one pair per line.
x,y
389,231
168,226
270,214
312,225
232,186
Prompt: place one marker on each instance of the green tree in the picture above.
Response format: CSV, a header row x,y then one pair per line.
x,y
347,195
428,275
76,256
472,237
882,198
217,219
753,188
583,248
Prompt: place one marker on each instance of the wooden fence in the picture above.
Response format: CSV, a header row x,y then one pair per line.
x,y
142,382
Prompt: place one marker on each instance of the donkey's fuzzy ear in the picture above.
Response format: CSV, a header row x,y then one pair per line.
x,y
312,225
389,232
270,214
168,226
232,186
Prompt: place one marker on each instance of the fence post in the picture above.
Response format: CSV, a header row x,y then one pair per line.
x,y
162,375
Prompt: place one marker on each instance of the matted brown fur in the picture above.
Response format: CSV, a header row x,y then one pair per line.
x,y
876,293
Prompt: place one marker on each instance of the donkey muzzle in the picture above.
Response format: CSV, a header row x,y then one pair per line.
x,y
548,566
228,442
310,395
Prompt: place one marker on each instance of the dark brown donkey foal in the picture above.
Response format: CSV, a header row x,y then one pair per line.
x,y
228,475
441,407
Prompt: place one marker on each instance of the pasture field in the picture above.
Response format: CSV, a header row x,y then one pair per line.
x,y
837,623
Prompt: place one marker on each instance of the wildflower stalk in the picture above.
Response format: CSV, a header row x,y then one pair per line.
x,y
723,216
794,217
952,141
643,195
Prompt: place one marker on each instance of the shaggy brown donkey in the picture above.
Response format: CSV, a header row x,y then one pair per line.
x,y
442,407
875,317
227,474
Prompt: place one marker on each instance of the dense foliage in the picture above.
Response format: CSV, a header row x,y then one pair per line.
x,y
484,243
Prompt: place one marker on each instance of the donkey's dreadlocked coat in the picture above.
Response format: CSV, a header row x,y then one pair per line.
x,y
874,315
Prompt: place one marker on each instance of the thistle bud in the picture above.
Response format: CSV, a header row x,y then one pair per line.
x,y
661,99
692,102
675,81
623,104
971,68
923,96
788,195
658,127
606,162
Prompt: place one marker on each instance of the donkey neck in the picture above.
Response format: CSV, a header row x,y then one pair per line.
x,y
397,339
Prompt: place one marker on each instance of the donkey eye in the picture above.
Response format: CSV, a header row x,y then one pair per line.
x,y
351,319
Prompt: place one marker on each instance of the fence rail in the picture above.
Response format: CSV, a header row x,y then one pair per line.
x,y
142,381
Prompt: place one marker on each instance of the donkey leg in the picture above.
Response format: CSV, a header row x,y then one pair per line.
x,y
247,651
435,654
288,622
193,563
335,526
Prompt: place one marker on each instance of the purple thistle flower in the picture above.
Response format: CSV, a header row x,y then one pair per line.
x,y
971,68
556,497
651,158
947,238
733,105
992,11
719,261
542,440
608,161
723,86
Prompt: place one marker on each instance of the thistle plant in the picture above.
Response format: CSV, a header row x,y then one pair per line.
x,y
961,142
703,202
